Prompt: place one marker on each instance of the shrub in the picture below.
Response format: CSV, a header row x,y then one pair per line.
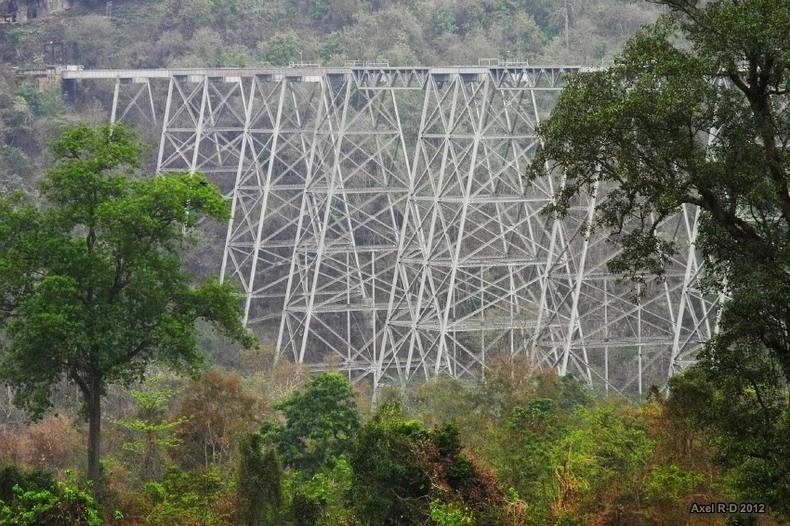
x,y
35,500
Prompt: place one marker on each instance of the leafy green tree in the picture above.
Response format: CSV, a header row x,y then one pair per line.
x,y
523,450
702,121
258,483
188,497
306,510
443,20
152,432
11,475
55,503
322,500
597,463
388,485
92,288
320,423
47,102
15,168
281,48
404,474
748,417
443,400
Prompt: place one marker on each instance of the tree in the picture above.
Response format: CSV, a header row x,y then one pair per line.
x,y
388,485
320,423
281,48
36,501
258,482
188,497
403,474
151,431
215,411
92,288
701,120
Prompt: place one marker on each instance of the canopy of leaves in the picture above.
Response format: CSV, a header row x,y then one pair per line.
x,y
215,412
695,113
258,482
320,422
37,499
91,287
399,468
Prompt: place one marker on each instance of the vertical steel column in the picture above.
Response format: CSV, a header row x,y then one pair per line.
x,y
298,302
240,207
199,127
115,94
165,120
334,138
573,324
281,142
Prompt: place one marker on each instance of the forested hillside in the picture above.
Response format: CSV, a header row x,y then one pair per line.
x,y
202,431
179,33
254,32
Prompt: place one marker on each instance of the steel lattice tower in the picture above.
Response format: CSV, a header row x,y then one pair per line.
x,y
382,225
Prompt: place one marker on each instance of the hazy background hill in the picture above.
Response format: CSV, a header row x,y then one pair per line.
x,y
164,33
220,33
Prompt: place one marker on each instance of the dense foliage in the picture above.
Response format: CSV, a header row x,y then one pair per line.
x,y
695,113
33,498
147,33
320,422
92,288
524,453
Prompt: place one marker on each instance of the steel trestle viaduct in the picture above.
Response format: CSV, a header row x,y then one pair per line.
x,y
382,225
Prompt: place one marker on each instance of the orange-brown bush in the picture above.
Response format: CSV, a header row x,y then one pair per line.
x,y
50,444
216,411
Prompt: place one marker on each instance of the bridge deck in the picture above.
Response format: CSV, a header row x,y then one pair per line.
x,y
220,73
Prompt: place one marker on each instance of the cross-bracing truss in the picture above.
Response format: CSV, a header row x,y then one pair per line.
x,y
382,224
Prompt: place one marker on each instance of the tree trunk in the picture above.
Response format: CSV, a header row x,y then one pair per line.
x,y
93,403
